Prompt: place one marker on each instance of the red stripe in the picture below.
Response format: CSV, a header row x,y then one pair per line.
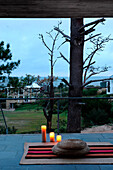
x,y
101,147
39,149
40,156
40,152
107,151
98,155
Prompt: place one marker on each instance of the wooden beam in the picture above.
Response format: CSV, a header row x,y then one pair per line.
x,y
55,8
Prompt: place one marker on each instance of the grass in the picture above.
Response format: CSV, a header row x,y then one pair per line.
x,y
27,119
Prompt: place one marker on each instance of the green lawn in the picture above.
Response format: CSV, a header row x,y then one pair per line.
x,y
26,121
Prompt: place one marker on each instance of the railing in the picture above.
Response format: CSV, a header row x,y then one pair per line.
x,y
47,98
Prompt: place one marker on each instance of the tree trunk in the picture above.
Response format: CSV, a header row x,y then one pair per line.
x,y
76,70
50,112
49,119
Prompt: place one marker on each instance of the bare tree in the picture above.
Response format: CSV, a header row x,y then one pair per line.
x,y
78,66
54,38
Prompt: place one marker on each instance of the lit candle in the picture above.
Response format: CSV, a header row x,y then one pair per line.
x,y
52,137
59,138
43,130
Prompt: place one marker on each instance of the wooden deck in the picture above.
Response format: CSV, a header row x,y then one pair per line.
x,y
12,148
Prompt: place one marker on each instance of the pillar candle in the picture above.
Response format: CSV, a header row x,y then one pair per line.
x,y
59,138
43,130
52,137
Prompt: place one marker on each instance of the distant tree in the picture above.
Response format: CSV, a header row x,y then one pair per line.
x,y
27,80
6,66
45,80
61,85
14,82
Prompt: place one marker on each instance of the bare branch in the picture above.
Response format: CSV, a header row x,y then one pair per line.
x,y
63,43
92,23
54,41
86,59
47,105
87,31
98,70
64,58
90,64
91,57
49,33
54,62
92,37
42,38
94,73
49,54
99,45
100,42
64,35
66,82
91,81
45,113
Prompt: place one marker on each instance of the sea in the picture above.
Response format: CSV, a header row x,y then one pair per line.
x,y
56,83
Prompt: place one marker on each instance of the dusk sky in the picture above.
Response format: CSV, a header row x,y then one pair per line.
x,y
23,37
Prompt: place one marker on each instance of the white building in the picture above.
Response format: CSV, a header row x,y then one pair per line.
x,y
30,91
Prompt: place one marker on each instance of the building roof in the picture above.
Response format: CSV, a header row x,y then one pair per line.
x,y
34,85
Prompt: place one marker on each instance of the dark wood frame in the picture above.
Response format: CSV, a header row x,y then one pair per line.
x,y
55,8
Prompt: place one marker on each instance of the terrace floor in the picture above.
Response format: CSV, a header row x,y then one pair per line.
x,y
12,147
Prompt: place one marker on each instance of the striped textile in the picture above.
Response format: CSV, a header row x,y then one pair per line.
x,y
45,151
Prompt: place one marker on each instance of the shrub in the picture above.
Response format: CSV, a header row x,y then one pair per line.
x,y
63,105
10,130
96,112
90,92
62,126
2,95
